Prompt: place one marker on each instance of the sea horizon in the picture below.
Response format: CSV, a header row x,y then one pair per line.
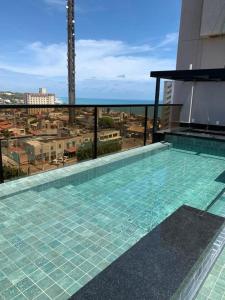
x,y
99,101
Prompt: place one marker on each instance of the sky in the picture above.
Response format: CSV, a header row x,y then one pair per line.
x,y
118,43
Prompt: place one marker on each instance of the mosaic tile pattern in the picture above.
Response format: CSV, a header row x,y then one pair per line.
x,y
213,287
56,237
201,145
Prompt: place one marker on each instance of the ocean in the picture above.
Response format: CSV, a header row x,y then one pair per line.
x,y
95,101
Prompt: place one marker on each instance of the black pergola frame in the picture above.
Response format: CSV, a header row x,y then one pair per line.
x,y
200,75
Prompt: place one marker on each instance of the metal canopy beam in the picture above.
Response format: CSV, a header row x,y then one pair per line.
x,y
203,75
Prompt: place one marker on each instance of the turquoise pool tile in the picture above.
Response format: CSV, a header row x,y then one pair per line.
x,y
69,254
37,275
43,296
76,274
24,284
60,260
66,282
32,292
22,261
54,291
2,276
93,272
45,283
57,274
74,288
84,280
30,268
54,244
63,296
5,284
10,293
77,260
10,269
16,276
48,268
20,297
86,266
41,261
67,267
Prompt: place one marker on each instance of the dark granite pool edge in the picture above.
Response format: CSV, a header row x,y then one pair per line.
x,y
146,270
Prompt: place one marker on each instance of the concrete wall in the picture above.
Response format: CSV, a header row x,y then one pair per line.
x,y
213,18
201,48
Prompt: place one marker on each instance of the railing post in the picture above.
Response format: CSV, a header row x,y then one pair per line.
x,y
156,109
1,164
146,125
95,152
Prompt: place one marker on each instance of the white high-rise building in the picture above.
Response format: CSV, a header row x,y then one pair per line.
x,y
41,98
168,92
42,91
201,46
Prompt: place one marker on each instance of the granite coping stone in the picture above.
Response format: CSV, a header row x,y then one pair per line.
x,y
159,263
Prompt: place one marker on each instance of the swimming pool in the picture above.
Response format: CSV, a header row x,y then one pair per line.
x,y
61,228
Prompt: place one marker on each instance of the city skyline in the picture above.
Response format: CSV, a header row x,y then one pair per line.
x,y
111,63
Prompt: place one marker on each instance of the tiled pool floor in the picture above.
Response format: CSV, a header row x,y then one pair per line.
x,y
54,240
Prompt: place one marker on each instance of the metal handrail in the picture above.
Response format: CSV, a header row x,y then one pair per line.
x,y
11,106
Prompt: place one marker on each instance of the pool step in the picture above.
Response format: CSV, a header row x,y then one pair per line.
x,y
218,207
192,288
162,264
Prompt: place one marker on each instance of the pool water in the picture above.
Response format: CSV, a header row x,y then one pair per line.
x,y
54,239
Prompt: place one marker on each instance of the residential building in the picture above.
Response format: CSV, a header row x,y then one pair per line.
x,y
201,46
168,92
168,95
109,135
40,98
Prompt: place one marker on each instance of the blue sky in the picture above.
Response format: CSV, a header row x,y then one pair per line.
x,y
117,44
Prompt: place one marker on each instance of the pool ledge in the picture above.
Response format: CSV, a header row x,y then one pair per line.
x,y
162,264
50,176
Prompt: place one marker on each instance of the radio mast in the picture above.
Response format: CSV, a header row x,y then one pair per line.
x,y
71,56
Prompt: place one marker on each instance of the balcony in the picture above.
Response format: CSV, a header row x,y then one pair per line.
x,y
82,202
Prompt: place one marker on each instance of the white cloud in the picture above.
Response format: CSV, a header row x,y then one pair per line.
x,y
111,64
170,39
102,59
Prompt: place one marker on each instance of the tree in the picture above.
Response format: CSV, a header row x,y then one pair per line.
x,y
106,122
12,172
7,134
86,151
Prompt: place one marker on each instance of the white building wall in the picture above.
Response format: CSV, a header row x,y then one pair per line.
x,y
168,92
202,45
40,98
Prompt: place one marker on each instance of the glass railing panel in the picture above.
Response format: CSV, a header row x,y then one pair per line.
x,y
42,139
83,132
45,138
120,128
169,117
150,115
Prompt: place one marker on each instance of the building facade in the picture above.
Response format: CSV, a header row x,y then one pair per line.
x,y
168,92
201,46
41,98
